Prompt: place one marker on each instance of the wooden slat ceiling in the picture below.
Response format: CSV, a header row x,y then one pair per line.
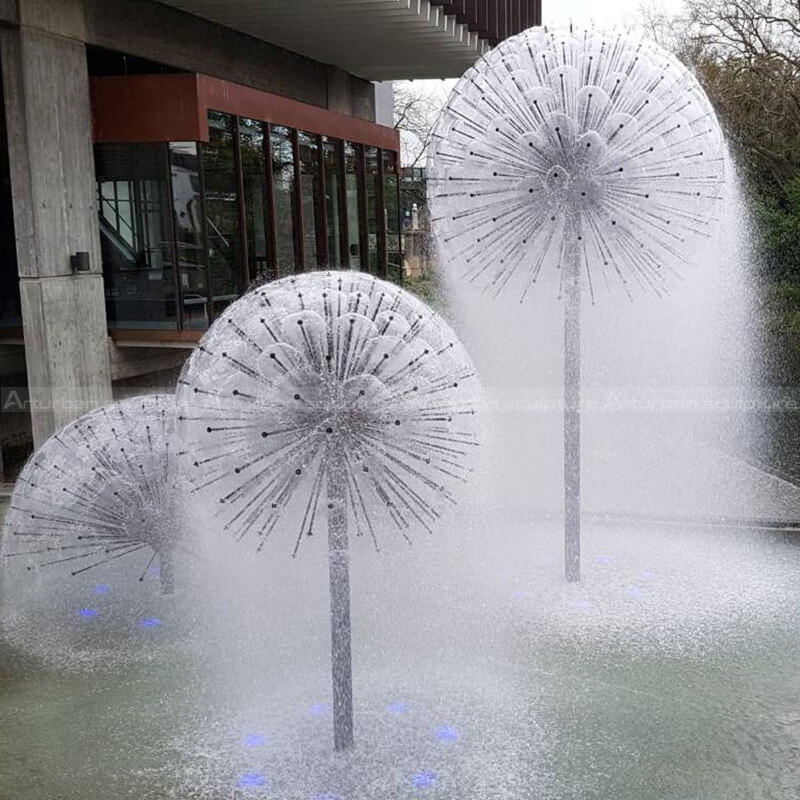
x,y
374,39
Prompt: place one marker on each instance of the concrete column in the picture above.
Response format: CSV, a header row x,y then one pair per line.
x,y
48,116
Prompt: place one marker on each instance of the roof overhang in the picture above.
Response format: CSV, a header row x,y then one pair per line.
x,y
374,39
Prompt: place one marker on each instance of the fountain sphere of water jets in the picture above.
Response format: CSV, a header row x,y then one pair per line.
x,y
591,156
329,396
105,489
587,147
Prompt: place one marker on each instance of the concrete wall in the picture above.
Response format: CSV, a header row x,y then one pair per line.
x,y
48,119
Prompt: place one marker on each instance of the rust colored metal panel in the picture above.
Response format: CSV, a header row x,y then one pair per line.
x,y
147,108
174,107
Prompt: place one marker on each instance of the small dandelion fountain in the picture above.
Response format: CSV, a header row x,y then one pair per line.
x,y
329,396
592,158
103,489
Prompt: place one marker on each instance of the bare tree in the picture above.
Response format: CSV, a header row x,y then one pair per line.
x,y
747,56
752,62
416,108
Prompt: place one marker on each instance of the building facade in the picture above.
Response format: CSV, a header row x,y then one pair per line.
x,y
158,158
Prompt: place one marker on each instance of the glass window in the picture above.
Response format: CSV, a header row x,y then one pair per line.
x,y
283,194
226,267
256,198
333,194
371,183
309,192
353,217
187,204
136,235
391,201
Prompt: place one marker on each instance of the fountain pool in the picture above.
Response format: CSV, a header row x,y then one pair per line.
x,y
657,677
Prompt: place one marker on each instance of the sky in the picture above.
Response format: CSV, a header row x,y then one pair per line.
x,y
604,13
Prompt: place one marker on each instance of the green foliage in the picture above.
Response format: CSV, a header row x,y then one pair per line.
x,y
782,307
427,288
776,210
746,55
754,96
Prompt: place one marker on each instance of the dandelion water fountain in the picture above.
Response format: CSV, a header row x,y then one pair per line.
x,y
581,158
329,398
101,490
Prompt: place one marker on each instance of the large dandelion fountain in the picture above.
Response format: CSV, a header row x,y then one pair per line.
x,y
329,399
581,158
105,489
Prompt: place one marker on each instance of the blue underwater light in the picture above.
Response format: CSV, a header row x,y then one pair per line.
x,y
318,709
102,588
424,780
398,707
254,740
447,733
634,591
88,613
252,780
150,622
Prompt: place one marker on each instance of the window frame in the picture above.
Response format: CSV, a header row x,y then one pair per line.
x,y
320,209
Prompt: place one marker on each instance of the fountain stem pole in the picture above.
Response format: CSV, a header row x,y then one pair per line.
x,y
167,570
339,571
572,396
